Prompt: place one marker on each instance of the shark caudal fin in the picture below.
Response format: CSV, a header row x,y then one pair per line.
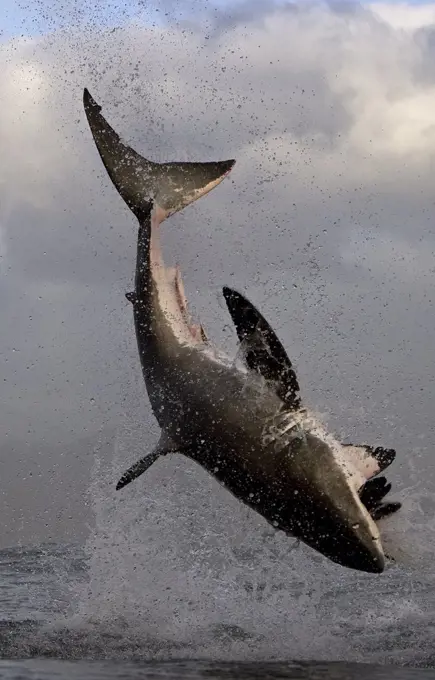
x,y
140,182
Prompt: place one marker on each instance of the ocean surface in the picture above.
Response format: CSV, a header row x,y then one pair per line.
x,y
62,616
177,579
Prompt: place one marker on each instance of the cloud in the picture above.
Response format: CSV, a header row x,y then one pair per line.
x,y
326,220
404,16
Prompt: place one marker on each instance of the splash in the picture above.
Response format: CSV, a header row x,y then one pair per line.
x,y
177,567
180,564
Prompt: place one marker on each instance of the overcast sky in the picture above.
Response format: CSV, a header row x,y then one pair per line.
x,y
327,223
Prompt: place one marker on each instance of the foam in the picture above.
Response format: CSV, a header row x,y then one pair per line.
x,y
179,568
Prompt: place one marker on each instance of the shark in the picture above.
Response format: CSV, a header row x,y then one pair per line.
x,y
242,421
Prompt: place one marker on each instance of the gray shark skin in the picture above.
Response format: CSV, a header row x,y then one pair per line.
x,y
264,353
220,414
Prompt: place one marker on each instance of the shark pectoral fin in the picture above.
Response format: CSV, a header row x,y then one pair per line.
x,y
368,460
384,456
141,182
164,446
263,350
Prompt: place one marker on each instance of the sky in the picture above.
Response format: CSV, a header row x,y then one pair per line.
x,y
326,223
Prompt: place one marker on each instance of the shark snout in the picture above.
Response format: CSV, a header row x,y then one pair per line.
x,y
365,551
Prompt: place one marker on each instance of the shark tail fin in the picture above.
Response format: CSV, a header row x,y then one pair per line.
x,y
141,182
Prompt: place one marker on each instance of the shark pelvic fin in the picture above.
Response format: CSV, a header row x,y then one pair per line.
x,y
164,446
263,350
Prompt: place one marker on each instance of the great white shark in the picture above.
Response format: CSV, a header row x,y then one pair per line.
x,y
241,421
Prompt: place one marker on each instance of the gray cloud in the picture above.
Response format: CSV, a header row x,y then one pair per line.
x,y
326,222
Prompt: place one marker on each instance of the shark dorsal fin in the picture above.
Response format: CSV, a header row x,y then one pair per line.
x,y
263,350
